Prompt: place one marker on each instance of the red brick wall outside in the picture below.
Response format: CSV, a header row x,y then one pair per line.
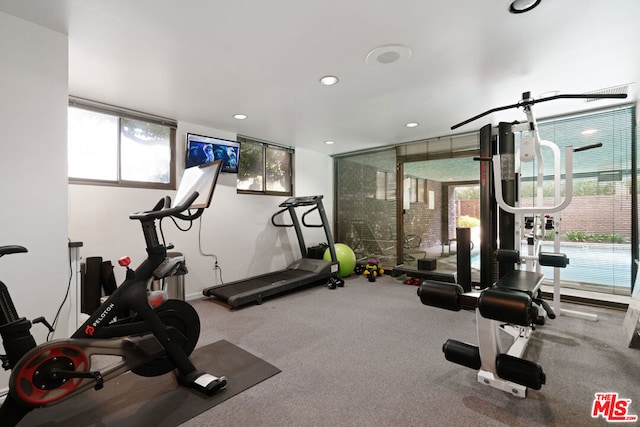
x,y
469,208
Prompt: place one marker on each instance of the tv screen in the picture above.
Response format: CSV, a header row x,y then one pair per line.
x,y
204,149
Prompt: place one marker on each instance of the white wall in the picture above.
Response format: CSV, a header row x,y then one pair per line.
x,y
236,228
33,168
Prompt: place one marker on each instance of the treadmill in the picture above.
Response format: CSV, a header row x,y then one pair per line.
x,y
302,272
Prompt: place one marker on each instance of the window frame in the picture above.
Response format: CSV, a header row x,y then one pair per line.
x,y
266,146
123,113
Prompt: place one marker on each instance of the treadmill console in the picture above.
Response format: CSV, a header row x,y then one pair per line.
x,y
300,201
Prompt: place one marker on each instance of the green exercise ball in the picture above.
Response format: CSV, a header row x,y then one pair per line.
x,y
346,259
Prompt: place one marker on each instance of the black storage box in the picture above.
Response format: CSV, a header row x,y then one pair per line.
x,y
317,252
427,264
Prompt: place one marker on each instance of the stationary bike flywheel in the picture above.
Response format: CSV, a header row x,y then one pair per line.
x,y
31,383
184,325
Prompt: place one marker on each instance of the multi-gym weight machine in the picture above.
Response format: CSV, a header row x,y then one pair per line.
x,y
508,299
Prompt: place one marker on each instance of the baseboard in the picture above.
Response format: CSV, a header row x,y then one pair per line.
x,y
193,296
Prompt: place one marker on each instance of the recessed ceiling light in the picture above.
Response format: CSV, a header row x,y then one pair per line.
x,y
240,116
411,124
329,80
588,132
329,142
522,6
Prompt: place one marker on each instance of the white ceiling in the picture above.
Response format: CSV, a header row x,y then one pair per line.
x,y
201,61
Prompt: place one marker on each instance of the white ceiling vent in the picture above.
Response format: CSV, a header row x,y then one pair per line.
x,y
615,90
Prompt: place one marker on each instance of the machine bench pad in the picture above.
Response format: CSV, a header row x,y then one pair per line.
x,y
519,280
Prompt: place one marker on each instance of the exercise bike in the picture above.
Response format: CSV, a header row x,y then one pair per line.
x,y
150,341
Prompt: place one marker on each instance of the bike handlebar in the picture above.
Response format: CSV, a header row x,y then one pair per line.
x,y
162,209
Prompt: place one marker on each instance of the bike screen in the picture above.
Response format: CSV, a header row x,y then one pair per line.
x,y
202,179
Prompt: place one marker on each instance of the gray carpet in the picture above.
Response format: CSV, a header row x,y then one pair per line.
x,y
370,354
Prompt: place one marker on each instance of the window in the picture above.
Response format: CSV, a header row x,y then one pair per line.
x,y
420,188
596,228
385,185
113,146
265,168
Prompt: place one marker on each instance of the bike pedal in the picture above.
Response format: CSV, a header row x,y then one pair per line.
x,y
210,384
97,376
6,364
206,383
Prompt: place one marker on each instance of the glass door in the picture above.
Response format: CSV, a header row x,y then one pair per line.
x,y
365,205
441,195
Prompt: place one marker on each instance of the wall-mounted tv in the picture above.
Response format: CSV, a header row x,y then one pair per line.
x,y
204,149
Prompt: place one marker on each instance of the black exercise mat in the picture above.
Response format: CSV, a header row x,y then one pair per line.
x,y
131,400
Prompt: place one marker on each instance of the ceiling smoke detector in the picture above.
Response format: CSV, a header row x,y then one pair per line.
x,y
385,55
522,6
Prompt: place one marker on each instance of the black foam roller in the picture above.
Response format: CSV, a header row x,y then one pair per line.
x,y
506,305
440,294
462,353
508,255
520,371
552,259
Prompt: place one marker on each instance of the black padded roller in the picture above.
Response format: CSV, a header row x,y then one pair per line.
x,y
506,305
508,255
462,353
520,371
440,294
552,259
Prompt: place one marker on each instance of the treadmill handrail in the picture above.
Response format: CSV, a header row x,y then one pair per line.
x,y
273,219
315,208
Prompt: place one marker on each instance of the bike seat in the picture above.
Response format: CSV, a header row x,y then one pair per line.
x,y
12,249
